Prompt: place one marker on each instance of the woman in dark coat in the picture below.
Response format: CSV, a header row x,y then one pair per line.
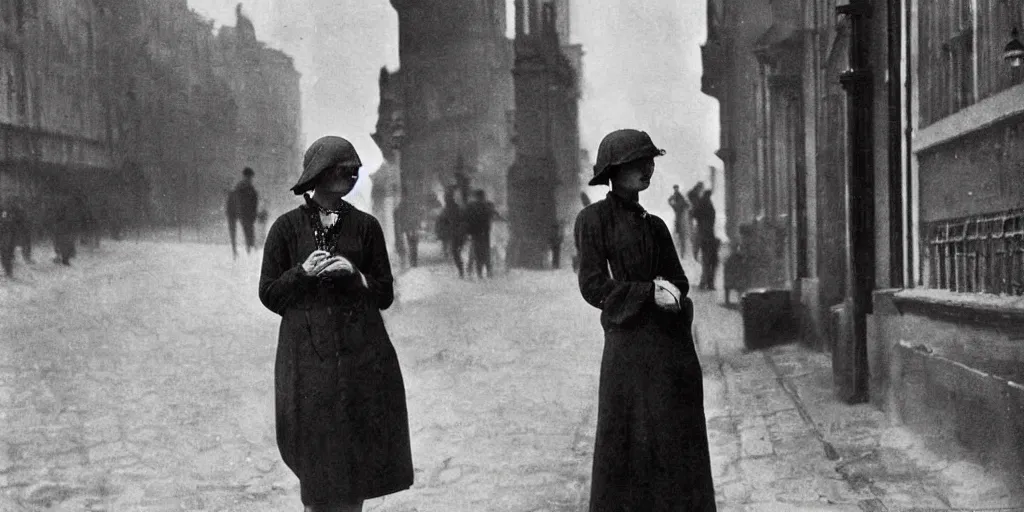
x,y
651,448
342,424
66,228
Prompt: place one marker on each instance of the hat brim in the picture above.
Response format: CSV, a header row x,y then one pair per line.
x,y
603,176
328,152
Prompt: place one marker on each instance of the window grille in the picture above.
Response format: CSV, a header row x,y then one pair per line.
x,y
982,254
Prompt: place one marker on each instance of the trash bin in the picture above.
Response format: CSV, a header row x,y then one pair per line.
x,y
769,318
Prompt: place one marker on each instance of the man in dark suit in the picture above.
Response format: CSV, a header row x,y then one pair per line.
x,y
479,214
243,203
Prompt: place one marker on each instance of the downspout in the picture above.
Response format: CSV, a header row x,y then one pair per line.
x,y
896,224
849,365
908,234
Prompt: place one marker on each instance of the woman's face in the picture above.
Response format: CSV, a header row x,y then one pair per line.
x,y
338,180
634,177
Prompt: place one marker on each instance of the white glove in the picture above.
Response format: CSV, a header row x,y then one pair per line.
x,y
667,296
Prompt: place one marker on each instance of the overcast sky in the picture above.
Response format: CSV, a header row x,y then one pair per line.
x,y
642,70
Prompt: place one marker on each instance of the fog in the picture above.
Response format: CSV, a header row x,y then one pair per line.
x,y
641,69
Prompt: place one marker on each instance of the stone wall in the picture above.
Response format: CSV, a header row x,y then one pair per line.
x,y
949,366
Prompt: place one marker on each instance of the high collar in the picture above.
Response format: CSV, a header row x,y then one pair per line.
x,y
627,204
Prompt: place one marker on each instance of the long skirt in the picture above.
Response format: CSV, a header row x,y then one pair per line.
x,y
651,450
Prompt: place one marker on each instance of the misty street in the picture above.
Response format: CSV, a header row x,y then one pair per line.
x,y
840,178
142,380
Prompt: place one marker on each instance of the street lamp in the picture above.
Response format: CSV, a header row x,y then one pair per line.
x,y
1013,53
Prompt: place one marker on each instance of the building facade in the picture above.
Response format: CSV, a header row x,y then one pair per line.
x,y
469,101
457,95
265,88
946,345
129,105
543,183
882,140
388,135
53,122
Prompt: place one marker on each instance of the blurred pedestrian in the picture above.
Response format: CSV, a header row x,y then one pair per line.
x,y
555,237
452,228
407,236
66,228
694,195
576,257
704,215
262,218
651,447
22,229
681,219
479,215
342,422
243,203
89,235
7,237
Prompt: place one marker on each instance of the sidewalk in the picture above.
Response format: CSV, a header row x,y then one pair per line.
x,y
780,440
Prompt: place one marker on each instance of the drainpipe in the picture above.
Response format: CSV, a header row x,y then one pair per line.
x,y
896,224
849,359
908,153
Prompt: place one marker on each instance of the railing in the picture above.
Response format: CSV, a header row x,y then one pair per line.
x,y
982,254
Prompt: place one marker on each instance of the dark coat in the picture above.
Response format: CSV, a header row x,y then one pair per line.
x,y
704,213
451,225
243,202
342,423
478,217
651,449
66,227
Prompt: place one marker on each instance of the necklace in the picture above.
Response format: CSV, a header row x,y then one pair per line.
x,y
326,238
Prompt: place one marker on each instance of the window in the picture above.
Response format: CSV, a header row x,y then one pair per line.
x,y
961,44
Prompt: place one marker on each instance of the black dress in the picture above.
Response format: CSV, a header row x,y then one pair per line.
x,y
651,448
342,423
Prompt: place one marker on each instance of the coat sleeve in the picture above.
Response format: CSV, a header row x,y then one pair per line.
x,y
377,269
619,301
669,266
282,282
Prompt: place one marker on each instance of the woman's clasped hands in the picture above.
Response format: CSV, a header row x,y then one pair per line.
x,y
322,264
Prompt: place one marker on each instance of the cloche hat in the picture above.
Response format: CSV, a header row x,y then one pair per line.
x,y
326,153
621,147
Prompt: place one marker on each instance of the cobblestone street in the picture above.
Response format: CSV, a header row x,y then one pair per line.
x,y
141,379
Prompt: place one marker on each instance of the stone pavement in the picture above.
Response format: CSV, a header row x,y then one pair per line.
x,y
140,379
781,441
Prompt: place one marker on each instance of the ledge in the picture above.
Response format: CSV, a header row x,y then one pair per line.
x,y
978,309
987,112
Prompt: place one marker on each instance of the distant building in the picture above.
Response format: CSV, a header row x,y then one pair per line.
x,y
140,108
53,124
171,118
543,182
265,87
454,102
388,135
457,94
